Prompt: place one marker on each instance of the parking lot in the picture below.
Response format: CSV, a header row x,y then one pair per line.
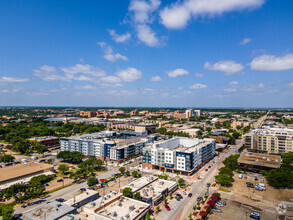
x,y
235,210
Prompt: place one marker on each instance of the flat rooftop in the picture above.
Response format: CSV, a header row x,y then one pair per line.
x,y
9,172
156,188
273,161
140,183
92,136
45,138
123,208
122,143
186,145
81,197
52,210
272,132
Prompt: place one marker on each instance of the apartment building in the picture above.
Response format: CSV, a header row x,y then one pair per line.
x,y
270,140
182,155
97,144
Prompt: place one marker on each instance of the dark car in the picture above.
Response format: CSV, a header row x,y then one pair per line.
x,y
190,195
65,177
82,189
208,184
254,215
167,207
46,184
179,196
17,216
209,167
60,200
199,198
206,170
250,185
60,180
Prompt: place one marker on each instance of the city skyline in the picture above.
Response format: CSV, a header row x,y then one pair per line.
x,y
138,53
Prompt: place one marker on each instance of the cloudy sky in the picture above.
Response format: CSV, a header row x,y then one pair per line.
x,y
198,53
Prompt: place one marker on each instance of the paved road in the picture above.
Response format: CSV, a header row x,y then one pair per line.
x,y
66,193
181,210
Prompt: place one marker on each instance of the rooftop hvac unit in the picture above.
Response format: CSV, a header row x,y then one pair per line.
x,y
119,204
127,216
132,207
93,204
114,214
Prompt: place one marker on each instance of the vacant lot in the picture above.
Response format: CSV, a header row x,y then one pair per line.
x,y
270,194
234,210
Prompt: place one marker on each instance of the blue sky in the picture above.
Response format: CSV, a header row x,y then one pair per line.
x,y
189,53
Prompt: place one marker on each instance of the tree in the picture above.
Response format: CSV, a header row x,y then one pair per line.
x,y
147,216
134,173
6,211
181,182
236,134
6,158
127,192
122,169
281,177
223,179
209,129
218,124
226,170
137,196
41,179
63,168
92,181
231,161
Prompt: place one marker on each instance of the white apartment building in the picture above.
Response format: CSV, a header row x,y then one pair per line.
x,y
270,140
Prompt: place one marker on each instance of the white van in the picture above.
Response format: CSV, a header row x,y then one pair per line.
x,y
240,176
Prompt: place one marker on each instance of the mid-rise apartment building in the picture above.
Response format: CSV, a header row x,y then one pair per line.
x,y
97,145
270,140
182,155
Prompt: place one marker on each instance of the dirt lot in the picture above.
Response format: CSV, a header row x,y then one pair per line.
x,y
234,210
270,194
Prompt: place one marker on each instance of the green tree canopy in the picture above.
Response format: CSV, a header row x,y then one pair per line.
x,y
127,192
92,181
6,158
223,179
122,169
137,196
281,177
63,168
181,182
226,170
231,161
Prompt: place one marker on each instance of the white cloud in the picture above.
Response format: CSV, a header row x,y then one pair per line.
x,y
129,75
198,86
227,66
141,11
111,81
156,79
48,73
71,71
245,41
230,90
177,15
119,38
291,84
260,85
272,63
109,53
147,35
199,75
233,83
7,79
177,72
84,78
86,87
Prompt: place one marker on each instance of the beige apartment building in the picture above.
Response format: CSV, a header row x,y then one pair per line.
x,y
270,140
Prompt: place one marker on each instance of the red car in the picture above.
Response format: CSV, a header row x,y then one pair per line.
x,y
167,207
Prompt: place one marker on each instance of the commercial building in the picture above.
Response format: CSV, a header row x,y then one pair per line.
x,y
182,155
97,145
11,175
113,206
152,190
270,140
257,162
88,114
49,141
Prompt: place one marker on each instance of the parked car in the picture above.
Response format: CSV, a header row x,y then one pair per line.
x,y
60,180
46,184
183,192
60,200
209,167
167,207
177,198
219,204
190,195
82,189
199,198
180,196
206,170
65,177
208,184
222,202
16,216
250,185
254,215
240,176
216,210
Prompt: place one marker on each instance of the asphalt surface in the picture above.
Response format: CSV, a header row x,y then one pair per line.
x,y
65,193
